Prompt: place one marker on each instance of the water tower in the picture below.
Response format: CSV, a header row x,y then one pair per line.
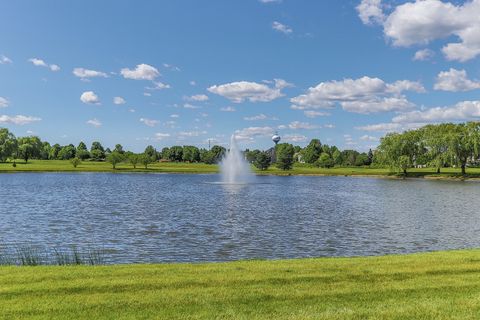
x,y
276,138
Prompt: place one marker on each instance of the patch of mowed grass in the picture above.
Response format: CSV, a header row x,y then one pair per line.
x,y
201,168
441,285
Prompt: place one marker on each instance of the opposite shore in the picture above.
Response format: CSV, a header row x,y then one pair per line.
x,y
201,168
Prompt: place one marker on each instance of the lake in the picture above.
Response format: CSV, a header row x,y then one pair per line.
x,y
143,218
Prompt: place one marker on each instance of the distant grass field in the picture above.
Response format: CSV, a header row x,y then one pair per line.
x,y
173,167
441,285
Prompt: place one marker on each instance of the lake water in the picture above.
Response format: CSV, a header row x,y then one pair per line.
x,y
175,217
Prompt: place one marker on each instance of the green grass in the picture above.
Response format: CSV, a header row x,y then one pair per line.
x,y
172,167
441,285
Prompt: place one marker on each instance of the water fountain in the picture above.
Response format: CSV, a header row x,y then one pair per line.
x,y
234,168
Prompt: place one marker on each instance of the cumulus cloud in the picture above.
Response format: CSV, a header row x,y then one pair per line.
x,y
255,118
249,134
371,12
149,122
161,136
119,100
243,90
455,80
40,63
423,55
270,1
280,27
141,72
157,85
87,73
191,133
329,126
366,137
390,127
465,110
5,59
314,114
294,125
89,97
421,22
3,102
197,97
190,106
18,119
228,109
294,138
364,95
94,123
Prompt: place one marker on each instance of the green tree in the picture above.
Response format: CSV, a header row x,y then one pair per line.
x,y
190,154
312,151
8,144
176,153
54,150
325,161
82,151
262,160
284,154
337,157
75,162
145,159
67,152
134,159
218,153
151,152
119,149
97,152
29,147
115,158
251,156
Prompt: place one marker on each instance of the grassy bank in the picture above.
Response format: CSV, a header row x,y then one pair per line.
x,y
442,285
171,167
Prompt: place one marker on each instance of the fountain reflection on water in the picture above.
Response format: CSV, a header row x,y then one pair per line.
x,y
235,170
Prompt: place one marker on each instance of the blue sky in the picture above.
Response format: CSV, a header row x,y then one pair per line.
x,y
185,72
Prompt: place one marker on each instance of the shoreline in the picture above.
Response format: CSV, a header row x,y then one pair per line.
x,y
410,176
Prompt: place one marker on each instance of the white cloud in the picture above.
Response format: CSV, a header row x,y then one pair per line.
x,y
141,72
119,100
255,118
294,125
86,73
371,12
390,127
228,109
191,133
157,85
364,95
161,136
171,67
423,55
465,110
294,138
197,97
249,134
40,63
422,22
455,80
18,119
89,97
190,106
329,126
314,114
5,59
147,94
94,122
149,122
280,27
243,90
270,1
366,137
3,102
174,116
54,67
193,83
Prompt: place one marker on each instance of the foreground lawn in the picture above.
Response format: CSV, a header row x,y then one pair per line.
x,y
442,285
172,167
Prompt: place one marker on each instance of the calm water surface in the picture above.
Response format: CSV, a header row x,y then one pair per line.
x,y
175,217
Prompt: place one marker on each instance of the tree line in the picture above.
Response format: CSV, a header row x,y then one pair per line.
x,y
435,145
285,154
